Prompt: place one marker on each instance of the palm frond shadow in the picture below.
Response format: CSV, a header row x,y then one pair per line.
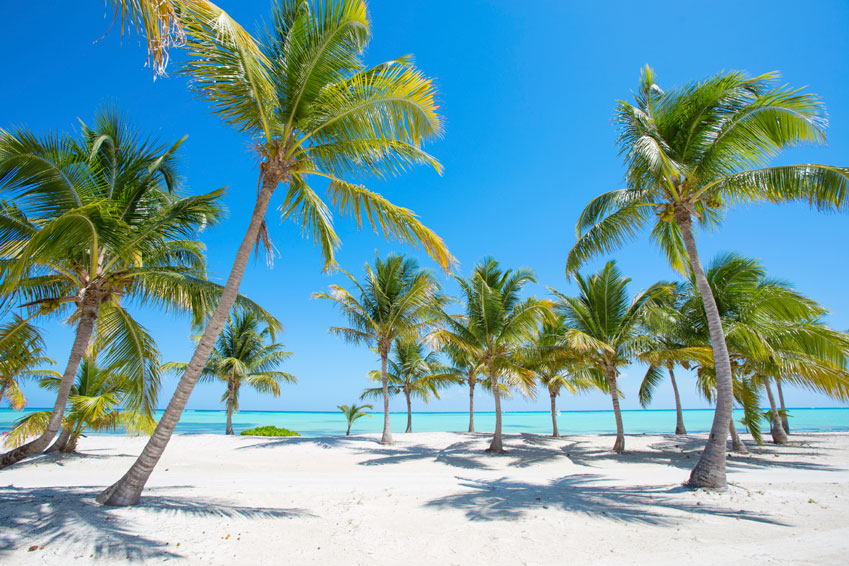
x,y
69,517
504,499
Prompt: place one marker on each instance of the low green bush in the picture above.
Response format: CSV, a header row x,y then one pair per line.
x,y
269,430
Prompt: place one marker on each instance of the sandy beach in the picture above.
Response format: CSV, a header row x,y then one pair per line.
x,y
433,498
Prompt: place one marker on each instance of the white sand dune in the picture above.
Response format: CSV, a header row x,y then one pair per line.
x,y
433,498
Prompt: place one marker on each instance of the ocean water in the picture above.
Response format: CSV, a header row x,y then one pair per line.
x,y
569,422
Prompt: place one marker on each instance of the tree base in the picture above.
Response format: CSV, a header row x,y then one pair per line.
x,y
117,495
681,430
709,472
619,445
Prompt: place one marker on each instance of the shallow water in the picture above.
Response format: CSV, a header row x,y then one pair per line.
x,y
569,422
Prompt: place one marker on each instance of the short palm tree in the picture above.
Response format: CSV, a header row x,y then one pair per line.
x,y
604,326
353,413
467,371
244,355
95,402
413,372
495,325
690,153
397,300
313,109
21,359
96,222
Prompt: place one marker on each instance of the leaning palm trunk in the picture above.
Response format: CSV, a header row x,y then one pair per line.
x,y
784,422
679,414
472,405
88,315
777,429
231,395
61,441
127,490
387,430
619,445
555,433
409,413
710,469
496,445
737,444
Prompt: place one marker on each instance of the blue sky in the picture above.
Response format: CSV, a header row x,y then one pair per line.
x,y
527,91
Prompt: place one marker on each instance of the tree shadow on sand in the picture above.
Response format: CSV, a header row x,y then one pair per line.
x,y
69,518
504,499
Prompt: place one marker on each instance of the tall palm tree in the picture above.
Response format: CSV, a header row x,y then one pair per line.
x,y
496,324
314,109
96,222
96,403
353,413
604,326
412,372
689,154
245,354
21,359
397,300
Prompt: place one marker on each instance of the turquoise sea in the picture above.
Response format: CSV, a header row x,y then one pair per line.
x,y
569,422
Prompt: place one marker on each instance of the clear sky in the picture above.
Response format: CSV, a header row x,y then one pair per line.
x,y
527,91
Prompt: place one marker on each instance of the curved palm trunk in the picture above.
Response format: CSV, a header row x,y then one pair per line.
x,y
784,422
710,469
679,414
231,398
61,442
348,432
736,442
472,404
127,490
88,315
387,430
496,445
778,434
409,413
619,445
555,433
3,392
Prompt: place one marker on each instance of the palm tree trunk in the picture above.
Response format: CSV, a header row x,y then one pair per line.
x,y
409,413
710,469
3,392
127,490
679,414
230,403
387,430
89,310
619,445
61,442
737,444
496,445
348,432
555,433
778,434
472,404
784,422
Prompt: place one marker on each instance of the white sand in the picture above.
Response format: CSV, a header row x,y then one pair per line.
x,y
433,498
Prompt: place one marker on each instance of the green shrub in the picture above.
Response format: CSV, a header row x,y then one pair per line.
x,y
269,430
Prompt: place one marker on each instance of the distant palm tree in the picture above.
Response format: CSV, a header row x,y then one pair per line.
x,y
691,153
412,372
397,300
96,403
21,359
466,370
245,354
96,223
604,326
495,325
312,109
353,413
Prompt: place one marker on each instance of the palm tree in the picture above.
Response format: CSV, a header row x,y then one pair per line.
x,y
96,222
465,370
413,372
396,301
313,109
352,413
21,358
558,366
604,326
494,327
95,404
245,354
691,153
